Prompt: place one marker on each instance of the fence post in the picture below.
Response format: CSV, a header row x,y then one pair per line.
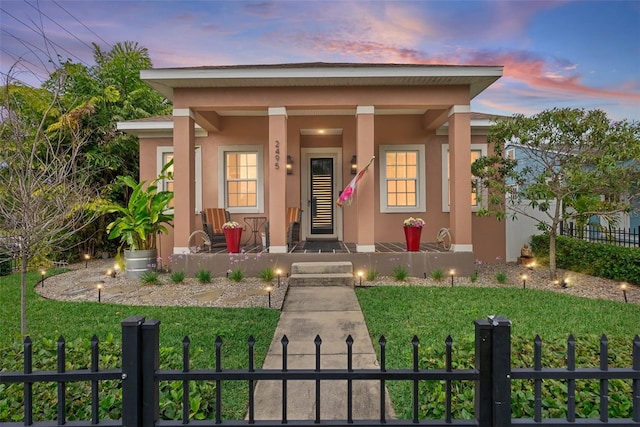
x,y
493,363
501,341
150,359
484,399
131,374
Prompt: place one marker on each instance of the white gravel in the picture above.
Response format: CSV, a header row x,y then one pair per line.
x,y
81,284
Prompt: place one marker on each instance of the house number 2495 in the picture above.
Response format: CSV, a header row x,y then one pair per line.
x,y
277,155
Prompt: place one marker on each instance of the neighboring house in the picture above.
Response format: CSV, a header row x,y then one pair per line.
x,y
258,139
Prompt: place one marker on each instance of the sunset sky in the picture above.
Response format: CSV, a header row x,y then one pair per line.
x,y
582,54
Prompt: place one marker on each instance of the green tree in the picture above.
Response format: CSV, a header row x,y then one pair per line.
x,y
572,164
113,90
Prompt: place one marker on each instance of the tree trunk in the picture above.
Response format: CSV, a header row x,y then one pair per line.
x,y
552,253
23,295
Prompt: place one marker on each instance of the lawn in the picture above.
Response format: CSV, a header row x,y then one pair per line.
x,y
433,313
47,320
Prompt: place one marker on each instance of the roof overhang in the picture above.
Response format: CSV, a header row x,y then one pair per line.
x,y
154,129
165,80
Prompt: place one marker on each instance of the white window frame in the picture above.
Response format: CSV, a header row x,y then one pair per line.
x,y
161,151
421,183
446,206
222,194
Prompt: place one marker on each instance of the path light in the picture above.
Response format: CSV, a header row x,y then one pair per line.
x,y
99,292
86,260
116,269
42,274
524,281
623,286
360,274
269,289
279,273
452,273
565,283
531,265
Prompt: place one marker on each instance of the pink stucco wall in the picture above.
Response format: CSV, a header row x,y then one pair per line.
x,y
488,234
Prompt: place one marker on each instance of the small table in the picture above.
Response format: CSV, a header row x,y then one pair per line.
x,y
254,223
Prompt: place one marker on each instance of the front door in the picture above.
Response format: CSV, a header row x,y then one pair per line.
x,y
321,195
320,189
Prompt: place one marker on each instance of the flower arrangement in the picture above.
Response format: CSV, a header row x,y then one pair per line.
x,y
414,222
231,224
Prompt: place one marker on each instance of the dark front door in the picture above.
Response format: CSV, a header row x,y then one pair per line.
x,y
321,192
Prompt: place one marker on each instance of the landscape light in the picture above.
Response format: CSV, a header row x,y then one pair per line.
x,y
360,274
452,273
623,286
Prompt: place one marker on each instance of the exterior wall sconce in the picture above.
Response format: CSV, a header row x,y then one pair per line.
x,y
354,165
289,165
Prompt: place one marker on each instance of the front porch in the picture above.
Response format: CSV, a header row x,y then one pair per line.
x,y
387,256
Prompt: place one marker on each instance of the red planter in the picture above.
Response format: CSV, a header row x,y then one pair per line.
x,y
412,235
233,236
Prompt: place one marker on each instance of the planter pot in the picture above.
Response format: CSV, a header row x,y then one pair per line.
x,y
233,236
140,262
412,236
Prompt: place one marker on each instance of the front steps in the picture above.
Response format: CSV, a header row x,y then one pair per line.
x,y
321,274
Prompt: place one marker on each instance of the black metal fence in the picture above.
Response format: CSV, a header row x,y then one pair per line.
x,y
628,237
140,375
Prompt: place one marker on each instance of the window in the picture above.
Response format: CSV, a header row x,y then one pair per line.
x,y
165,155
402,178
240,168
477,151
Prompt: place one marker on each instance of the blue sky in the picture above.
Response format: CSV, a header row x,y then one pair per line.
x,y
583,54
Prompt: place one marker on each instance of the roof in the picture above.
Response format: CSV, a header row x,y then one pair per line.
x,y
165,80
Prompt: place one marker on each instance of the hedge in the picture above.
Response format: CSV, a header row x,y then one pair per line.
x,y
596,259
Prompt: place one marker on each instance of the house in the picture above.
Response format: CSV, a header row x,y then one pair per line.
x,y
258,139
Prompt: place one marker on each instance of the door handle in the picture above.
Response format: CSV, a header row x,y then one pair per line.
x,y
314,207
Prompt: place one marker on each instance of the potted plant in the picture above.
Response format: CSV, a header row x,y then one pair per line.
x,y
412,231
232,234
139,223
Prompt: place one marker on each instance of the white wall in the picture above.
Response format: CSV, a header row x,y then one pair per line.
x,y
520,230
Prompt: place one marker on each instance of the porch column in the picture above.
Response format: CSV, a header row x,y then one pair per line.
x,y
277,159
365,195
460,178
184,202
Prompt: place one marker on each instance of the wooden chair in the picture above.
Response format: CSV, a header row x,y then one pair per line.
x,y
293,219
212,220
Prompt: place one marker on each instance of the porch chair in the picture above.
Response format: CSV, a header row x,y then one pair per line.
x,y
293,218
212,220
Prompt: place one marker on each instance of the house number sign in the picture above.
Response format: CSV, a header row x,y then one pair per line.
x,y
277,155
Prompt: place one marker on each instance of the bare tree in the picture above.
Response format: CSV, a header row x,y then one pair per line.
x,y
43,196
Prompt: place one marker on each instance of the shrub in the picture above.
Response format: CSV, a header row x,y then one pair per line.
x,y
437,275
267,274
474,277
400,273
150,278
5,263
501,277
596,259
236,275
372,275
203,276
177,276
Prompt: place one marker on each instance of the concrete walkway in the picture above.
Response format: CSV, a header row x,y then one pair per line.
x,y
333,313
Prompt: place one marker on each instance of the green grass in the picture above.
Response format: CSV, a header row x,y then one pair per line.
x,y
433,313
48,319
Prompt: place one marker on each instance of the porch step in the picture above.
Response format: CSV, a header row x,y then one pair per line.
x,y
321,274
